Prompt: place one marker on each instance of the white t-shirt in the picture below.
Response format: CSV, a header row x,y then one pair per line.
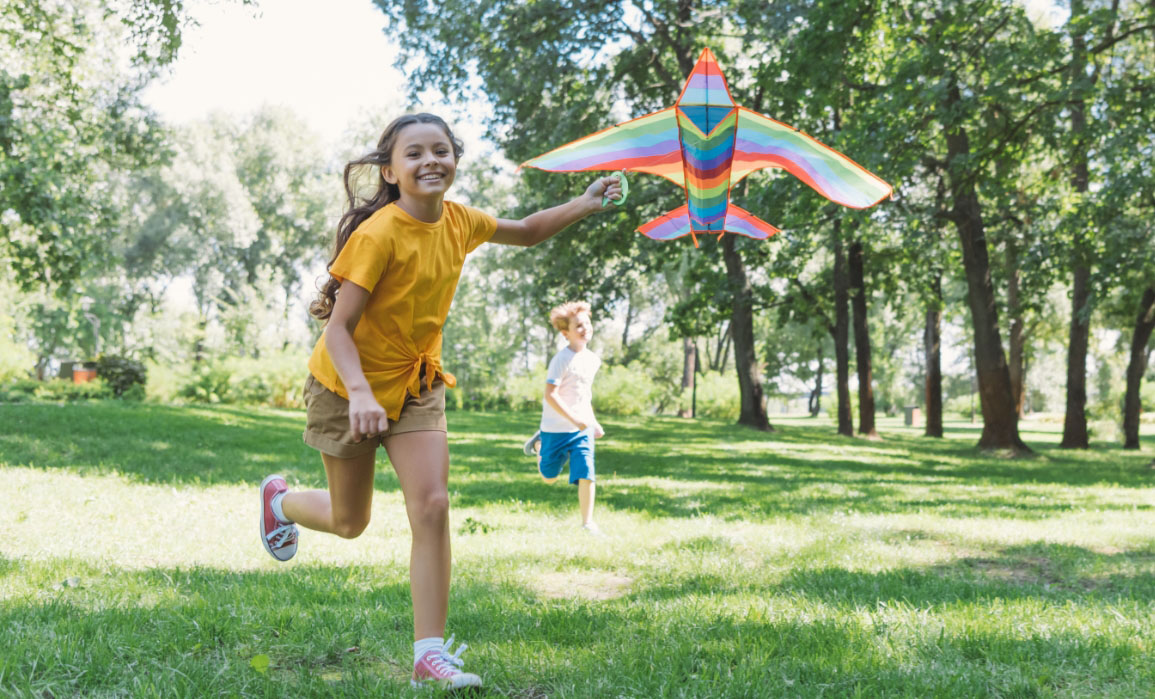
x,y
573,374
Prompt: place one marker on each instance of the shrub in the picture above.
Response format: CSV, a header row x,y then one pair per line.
x,y
524,392
1147,396
19,391
63,389
275,380
621,390
208,383
718,396
16,361
126,377
54,390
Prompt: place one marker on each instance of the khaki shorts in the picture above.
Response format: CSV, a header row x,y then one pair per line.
x,y
327,424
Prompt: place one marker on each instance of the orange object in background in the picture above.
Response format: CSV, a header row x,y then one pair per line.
x,y
82,375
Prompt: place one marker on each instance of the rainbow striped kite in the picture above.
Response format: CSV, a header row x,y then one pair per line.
x,y
706,144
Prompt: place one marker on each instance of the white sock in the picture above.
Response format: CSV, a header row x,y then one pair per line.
x,y
425,645
275,504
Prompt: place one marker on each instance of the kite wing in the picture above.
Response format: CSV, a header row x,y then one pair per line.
x,y
646,144
676,223
762,142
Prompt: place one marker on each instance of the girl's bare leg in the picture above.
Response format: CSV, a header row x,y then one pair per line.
x,y
421,460
342,510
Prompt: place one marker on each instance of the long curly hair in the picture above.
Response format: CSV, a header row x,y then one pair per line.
x,y
359,207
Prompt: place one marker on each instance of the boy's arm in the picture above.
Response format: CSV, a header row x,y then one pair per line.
x,y
546,223
561,406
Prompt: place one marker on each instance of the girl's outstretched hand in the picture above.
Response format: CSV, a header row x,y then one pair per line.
x,y
366,416
609,186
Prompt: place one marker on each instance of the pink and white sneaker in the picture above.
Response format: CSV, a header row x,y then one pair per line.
x,y
439,668
279,538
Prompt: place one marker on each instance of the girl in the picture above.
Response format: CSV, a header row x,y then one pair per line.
x,y
376,377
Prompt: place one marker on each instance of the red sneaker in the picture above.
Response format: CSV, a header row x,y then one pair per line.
x,y
279,538
438,668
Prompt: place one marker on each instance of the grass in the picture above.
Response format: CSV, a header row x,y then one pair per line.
x,y
737,564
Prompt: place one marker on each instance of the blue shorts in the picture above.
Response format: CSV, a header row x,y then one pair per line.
x,y
558,447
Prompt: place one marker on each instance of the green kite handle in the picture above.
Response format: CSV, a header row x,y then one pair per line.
x,y
606,201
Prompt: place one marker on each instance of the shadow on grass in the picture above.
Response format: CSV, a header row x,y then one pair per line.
x,y
345,631
1055,572
663,466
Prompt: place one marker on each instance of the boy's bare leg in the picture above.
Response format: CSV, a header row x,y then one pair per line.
x,y
344,509
586,491
421,460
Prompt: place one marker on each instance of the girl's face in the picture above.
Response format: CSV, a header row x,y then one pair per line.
x,y
422,163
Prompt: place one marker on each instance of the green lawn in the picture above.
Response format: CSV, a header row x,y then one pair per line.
x,y
736,563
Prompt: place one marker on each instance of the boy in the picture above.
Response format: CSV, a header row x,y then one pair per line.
x,y
568,425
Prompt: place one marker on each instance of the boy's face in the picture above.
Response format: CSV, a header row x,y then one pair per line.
x,y
580,330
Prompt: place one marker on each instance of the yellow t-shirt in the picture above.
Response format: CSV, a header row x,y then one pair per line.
x,y
410,269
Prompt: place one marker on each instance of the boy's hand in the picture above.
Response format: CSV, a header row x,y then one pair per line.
x,y
605,187
366,416
598,431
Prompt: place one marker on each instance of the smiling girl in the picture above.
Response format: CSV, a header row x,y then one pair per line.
x,y
376,377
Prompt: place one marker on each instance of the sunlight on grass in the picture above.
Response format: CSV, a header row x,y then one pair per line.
x,y
735,563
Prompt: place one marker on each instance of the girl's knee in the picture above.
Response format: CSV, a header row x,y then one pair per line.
x,y
350,528
433,508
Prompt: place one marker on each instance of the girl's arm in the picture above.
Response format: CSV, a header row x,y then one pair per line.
x,y
366,416
544,224
561,406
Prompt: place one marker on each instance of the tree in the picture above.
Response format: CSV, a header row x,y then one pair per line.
x,y
72,124
543,67
1093,33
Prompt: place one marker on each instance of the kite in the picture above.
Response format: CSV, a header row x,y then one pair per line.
x,y
706,143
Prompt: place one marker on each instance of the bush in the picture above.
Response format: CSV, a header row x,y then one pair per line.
x,y
719,396
524,392
54,390
1147,396
961,405
19,391
275,380
16,361
126,377
621,390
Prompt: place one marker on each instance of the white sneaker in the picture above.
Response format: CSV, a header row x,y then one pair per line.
x,y
532,446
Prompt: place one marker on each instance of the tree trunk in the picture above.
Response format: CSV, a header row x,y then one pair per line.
x,y
689,367
753,412
626,329
1075,421
861,342
723,355
1015,362
1000,421
1144,324
815,403
841,339
932,342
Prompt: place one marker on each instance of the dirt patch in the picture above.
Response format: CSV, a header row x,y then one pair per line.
x,y
1020,571
594,585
